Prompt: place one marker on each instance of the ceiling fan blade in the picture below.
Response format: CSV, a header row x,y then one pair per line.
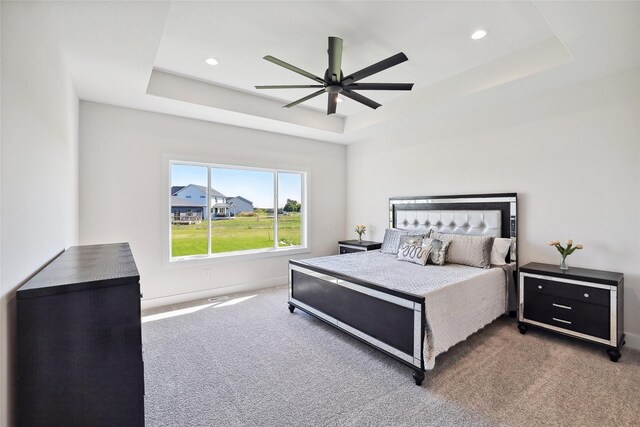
x,y
396,59
361,99
333,103
293,68
288,86
380,86
306,98
335,58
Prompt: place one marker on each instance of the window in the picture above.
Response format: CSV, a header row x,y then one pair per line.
x,y
243,211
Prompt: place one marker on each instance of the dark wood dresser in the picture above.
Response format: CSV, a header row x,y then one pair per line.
x,y
79,341
579,302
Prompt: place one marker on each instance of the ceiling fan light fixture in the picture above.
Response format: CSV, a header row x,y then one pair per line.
x,y
334,81
479,34
211,61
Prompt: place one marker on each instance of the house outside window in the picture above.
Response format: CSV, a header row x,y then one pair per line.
x,y
245,210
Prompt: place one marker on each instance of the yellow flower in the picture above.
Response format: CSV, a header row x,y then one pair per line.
x,y
569,242
550,243
579,246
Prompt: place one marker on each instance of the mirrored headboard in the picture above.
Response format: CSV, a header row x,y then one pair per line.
x,y
475,215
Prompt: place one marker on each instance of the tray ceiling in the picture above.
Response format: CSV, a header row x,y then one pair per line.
x,y
150,55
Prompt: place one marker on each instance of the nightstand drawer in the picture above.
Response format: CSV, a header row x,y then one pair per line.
x,y
575,292
348,250
590,319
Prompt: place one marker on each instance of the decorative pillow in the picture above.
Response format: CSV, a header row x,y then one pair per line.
x,y
391,242
416,254
437,249
423,233
474,251
411,239
500,251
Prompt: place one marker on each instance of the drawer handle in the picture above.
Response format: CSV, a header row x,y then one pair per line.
x,y
539,286
586,295
561,306
560,320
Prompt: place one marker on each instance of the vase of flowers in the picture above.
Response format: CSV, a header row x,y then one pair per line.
x,y
361,229
565,251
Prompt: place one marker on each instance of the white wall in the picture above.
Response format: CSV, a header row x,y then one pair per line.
x,y
121,165
573,157
39,164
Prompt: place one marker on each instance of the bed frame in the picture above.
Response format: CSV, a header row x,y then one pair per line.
x,y
389,320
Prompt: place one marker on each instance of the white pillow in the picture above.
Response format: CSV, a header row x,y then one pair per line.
x,y
416,254
500,251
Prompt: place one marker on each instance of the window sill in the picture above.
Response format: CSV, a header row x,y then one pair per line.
x,y
238,256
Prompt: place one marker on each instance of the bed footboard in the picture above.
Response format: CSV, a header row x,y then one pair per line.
x,y
389,320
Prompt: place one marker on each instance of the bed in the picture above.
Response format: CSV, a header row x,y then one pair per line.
x,y
410,312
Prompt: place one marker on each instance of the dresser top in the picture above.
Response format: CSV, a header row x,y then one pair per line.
x,y
80,267
574,273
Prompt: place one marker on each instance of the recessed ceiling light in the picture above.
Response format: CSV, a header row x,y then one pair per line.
x,y
211,61
479,34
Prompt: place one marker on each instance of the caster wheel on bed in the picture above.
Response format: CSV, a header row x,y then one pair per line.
x,y
291,308
614,354
522,328
419,377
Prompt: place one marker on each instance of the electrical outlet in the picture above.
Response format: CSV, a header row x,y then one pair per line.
x,y
206,273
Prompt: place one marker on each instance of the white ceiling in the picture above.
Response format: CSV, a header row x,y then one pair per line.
x,y
113,48
435,37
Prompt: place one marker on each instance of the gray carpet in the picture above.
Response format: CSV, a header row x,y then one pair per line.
x,y
255,364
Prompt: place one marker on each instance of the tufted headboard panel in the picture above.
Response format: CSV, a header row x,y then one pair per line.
x,y
468,222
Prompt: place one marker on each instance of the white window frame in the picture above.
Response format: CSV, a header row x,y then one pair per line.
x,y
235,255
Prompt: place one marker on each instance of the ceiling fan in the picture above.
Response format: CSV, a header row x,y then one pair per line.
x,y
334,81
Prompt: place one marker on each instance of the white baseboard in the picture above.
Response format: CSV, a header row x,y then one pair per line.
x,y
213,292
632,340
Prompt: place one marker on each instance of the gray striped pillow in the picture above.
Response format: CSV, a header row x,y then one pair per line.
x,y
391,242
